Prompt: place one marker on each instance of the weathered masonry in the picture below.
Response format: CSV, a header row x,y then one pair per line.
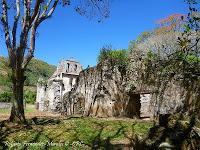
x,y
96,91
50,94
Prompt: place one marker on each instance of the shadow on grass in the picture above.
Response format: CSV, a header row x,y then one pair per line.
x,y
45,121
93,140
5,131
130,139
95,134
7,128
173,135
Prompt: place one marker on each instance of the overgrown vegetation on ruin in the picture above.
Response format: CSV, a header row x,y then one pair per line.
x,y
116,57
170,55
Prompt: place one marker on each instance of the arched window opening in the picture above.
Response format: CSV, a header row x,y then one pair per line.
x,y
75,68
68,65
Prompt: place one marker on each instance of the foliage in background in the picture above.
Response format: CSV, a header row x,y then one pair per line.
x,y
5,79
117,58
171,23
6,97
35,70
29,97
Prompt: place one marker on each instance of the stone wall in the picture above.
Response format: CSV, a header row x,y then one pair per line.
x,y
50,94
102,91
5,105
146,109
41,95
167,96
109,91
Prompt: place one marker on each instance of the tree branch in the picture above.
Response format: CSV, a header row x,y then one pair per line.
x,y
49,14
37,20
35,11
27,5
30,54
45,9
25,28
31,50
16,19
4,21
53,8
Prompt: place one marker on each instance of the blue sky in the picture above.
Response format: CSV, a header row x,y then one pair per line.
x,y
67,34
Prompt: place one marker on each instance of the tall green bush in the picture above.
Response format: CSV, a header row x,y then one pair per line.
x,y
116,57
6,97
30,97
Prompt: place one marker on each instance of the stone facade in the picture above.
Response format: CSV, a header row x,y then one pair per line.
x,y
50,94
105,91
100,91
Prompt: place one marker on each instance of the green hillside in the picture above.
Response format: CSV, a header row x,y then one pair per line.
x,y
35,70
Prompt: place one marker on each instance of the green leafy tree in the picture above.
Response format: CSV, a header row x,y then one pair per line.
x,y
30,97
115,57
6,97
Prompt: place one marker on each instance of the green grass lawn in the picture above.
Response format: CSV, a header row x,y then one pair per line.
x,y
29,108
4,110
74,132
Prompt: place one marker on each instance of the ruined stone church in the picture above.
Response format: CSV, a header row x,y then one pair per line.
x,y
89,92
50,94
103,91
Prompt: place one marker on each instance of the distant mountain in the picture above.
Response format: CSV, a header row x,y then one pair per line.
x,y
35,70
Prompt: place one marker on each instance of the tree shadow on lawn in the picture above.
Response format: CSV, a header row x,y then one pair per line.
x,y
92,140
7,128
178,134
100,142
44,121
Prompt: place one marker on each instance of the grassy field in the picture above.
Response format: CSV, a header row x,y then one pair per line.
x,y
73,132
28,109
56,132
51,131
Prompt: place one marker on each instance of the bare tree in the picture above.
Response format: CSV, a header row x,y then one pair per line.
x,y
20,20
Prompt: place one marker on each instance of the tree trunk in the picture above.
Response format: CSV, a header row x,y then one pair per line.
x,y
17,110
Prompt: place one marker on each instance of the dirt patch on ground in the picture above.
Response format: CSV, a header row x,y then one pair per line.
x,y
30,115
31,112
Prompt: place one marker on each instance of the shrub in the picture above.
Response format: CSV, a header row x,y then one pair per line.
x,y
30,97
116,57
5,97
